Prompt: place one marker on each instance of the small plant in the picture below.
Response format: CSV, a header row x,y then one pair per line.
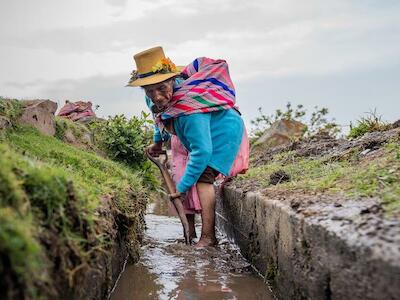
x,y
372,122
317,122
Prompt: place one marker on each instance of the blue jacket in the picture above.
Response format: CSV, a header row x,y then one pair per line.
x,y
212,139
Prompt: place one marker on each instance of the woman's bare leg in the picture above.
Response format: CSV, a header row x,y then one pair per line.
x,y
207,199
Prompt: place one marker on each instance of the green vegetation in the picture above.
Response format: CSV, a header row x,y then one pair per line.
x,y
50,196
371,123
271,274
10,108
19,254
355,176
315,123
125,140
63,125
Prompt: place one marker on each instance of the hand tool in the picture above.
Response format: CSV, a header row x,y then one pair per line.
x,y
173,195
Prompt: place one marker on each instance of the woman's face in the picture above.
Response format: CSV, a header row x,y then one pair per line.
x,y
160,93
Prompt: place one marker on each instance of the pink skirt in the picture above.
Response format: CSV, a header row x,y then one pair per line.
x,y
180,158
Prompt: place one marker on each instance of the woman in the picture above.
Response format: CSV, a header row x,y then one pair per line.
x,y
196,105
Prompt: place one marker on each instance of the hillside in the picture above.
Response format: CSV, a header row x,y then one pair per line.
x,y
68,216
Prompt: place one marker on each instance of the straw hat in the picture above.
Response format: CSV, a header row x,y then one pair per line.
x,y
152,67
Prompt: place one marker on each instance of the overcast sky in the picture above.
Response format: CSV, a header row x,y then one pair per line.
x,y
339,54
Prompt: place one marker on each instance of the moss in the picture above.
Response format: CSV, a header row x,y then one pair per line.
x,y
20,259
11,193
63,125
55,189
271,274
92,174
10,108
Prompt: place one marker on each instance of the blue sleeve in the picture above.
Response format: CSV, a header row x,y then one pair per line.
x,y
195,129
156,134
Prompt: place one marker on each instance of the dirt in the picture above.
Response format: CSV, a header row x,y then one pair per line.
x,y
279,177
324,145
92,275
322,204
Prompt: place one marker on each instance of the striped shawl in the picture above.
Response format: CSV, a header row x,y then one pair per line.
x,y
208,88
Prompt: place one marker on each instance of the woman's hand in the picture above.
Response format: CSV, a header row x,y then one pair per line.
x,y
155,149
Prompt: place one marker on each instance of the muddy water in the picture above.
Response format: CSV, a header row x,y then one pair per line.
x,y
168,269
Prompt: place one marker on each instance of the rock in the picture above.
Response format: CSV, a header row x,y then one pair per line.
x,y
365,152
281,132
40,114
83,140
4,123
396,124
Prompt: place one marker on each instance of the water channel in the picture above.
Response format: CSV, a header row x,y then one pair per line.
x,y
168,269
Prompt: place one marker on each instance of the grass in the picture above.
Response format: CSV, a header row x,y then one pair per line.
x,y
372,122
63,125
49,196
93,176
356,178
20,249
10,108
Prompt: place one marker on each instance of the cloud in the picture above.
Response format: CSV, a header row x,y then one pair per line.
x,y
25,85
119,3
270,46
279,39
107,91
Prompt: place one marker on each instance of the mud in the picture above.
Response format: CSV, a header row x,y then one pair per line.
x,y
169,269
279,177
322,145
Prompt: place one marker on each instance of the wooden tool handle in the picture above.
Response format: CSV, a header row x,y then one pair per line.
x,y
174,195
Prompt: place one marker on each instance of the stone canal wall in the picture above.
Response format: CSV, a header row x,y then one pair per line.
x,y
339,250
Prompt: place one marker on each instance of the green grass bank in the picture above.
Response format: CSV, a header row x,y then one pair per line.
x,y
62,210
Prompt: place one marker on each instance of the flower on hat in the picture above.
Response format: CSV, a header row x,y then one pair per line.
x,y
164,65
134,75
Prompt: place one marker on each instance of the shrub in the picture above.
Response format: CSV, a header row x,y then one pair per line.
x,y
317,123
125,140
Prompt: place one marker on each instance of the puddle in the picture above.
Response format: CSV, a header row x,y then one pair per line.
x,y
169,269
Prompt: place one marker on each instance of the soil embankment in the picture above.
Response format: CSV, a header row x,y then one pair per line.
x,y
69,217
320,218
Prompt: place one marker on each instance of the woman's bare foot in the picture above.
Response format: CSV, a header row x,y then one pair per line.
x,y
206,242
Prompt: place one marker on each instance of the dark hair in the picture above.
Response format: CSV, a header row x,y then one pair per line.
x,y
183,76
166,80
